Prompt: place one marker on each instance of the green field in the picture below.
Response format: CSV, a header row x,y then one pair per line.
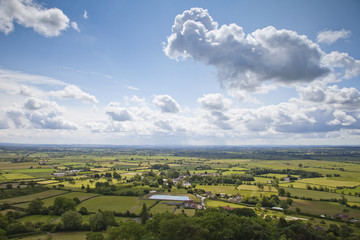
x,y
27,198
59,236
163,207
40,218
13,176
50,201
317,195
115,203
329,182
322,208
215,203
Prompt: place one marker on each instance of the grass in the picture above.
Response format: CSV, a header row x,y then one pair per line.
x,y
322,208
317,195
14,176
115,203
215,204
21,165
59,236
50,201
39,218
162,207
228,189
329,182
246,190
30,197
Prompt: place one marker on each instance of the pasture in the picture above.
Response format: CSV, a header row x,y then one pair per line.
x,y
317,195
27,198
322,208
216,203
115,203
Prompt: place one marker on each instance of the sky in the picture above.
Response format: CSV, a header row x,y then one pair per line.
x,y
188,72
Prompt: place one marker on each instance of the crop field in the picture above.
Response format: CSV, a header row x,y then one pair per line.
x,y
246,190
279,176
59,236
322,208
219,189
27,198
138,179
115,203
317,195
22,165
329,182
13,176
50,201
163,207
40,218
79,183
215,204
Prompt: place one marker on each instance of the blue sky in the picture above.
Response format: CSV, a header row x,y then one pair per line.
x,y
225,72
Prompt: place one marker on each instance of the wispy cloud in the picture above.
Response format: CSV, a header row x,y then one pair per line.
x,y
329,36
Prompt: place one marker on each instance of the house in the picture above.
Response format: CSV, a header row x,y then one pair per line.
x,y
59,174
186,184
342,217
286,179
278,208
228,208
190,204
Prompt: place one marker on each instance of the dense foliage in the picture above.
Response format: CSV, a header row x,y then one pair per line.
x,y
219,224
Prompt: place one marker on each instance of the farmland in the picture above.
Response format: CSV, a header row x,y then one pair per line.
x,y
303,184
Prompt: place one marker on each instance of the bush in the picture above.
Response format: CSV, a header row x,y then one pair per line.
x,y
48,227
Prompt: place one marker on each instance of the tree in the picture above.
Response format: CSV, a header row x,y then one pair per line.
x,y
284,204
260,186
71,220
127,230
62,204
144,215
101,220
94,236
116,175
4,223
35,206
281,192
83,211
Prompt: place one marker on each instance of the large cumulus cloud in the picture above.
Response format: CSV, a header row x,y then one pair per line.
x,y
245,61
332,96
38,114
47,22
166,103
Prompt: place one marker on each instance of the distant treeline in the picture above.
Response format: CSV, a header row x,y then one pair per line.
x,y
227,179
301,173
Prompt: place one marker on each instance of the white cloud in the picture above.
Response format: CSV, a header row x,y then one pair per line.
x,y
39,114
4,124
245,62
350,65
74,92
47,22
341,118
75,26
329,36
166,103
117,113
85,16
132,88
214,101
8,77
333,96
